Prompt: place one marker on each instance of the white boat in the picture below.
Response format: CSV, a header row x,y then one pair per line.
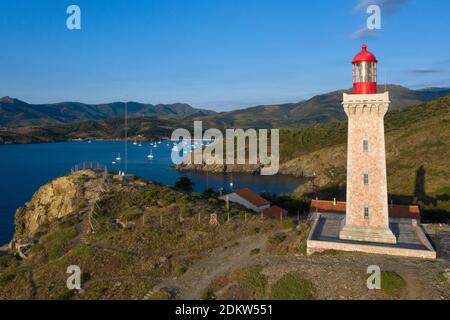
x,y
134,142
113,162
150,155
118,158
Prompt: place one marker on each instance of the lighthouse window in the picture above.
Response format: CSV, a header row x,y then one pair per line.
x,y
364,72
366,212
366,145
366,179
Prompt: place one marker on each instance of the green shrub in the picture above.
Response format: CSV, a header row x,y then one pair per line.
x,y
292,286
391,283
5,278
85,277
180,269
8,261
253,280
441,277
254,251
67,294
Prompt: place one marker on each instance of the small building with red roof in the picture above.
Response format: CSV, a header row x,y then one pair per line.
x,y
275,212
396,212
247,198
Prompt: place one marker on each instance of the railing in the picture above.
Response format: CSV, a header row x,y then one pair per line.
x,y
95,166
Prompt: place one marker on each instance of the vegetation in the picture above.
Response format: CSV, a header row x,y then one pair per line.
x,y
391,283
159,236
292,286
246,283
185,184
441,277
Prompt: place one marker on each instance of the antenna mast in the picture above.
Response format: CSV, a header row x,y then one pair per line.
x,y
126,137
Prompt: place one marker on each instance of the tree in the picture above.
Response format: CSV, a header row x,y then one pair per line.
x,y
184,183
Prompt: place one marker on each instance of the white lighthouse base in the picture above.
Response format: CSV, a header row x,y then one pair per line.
x,y
369,234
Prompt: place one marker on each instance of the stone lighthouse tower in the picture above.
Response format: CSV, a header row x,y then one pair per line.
x,y
366,216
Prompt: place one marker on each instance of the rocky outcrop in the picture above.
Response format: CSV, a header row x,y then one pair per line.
x,y
325,167
57,199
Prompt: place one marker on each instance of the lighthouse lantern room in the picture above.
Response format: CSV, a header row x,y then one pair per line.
x,y
364,72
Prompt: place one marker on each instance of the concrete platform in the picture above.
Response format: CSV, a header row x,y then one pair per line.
x,y
411,238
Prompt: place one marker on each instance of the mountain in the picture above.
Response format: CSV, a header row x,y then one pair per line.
x,y
17,113
319,109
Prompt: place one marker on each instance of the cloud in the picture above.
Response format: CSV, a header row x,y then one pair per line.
x,y
425,70
364,33
388,7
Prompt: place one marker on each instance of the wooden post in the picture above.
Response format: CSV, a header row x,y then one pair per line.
x,y
160,219
298,215
228,216
262,214
228,203
245,216
199,217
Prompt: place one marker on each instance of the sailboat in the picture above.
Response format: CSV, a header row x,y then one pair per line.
x,y
150,155
134,142
118,158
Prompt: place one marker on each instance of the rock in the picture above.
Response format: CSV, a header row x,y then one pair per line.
x,y
164,260
57,199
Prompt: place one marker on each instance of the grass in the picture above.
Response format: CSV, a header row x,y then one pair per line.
x,y
253,280
6,278
302,248
292,286
246,283
441,277
328,252
391,283
67,294
277,238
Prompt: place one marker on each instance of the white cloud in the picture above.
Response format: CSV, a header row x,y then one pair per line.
x,y
364,33
388,7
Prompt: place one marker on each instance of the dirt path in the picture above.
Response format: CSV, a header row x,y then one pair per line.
x,y
194,282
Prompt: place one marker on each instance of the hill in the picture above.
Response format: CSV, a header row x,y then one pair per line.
x,y
17,113
136,239
319,109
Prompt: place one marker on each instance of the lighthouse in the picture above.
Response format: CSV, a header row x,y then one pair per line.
x,y
366,217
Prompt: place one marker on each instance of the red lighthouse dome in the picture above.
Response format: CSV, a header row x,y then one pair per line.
x,y
364,72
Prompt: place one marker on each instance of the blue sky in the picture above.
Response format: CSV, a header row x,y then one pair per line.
x,y
216,54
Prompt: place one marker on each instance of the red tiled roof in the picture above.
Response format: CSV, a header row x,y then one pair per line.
x,y
395,211
252,197
275,211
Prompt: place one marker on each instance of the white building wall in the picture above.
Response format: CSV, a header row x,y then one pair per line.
x,y
234,197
